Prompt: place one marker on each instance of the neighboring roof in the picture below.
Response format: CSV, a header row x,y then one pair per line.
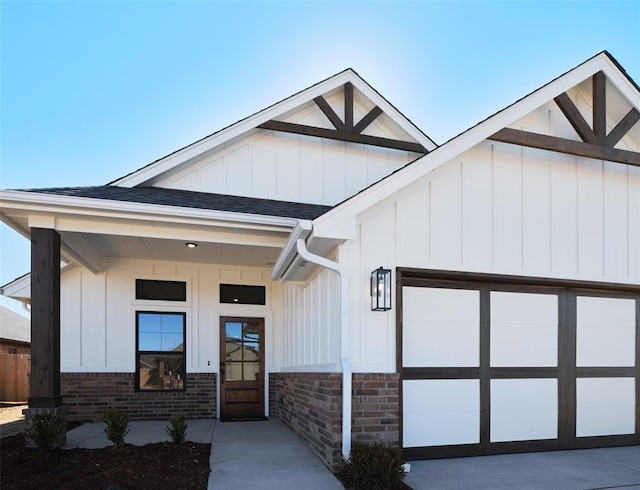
x,y
339,222
147,173
14,326
190,199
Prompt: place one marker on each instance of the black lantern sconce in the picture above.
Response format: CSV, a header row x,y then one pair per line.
x,y
381,289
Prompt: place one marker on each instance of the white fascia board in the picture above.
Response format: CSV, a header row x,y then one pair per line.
x,y
289,252
332,223
11,223
82,206
146,174
16,288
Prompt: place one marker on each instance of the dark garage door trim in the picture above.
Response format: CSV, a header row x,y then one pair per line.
x,y
566,372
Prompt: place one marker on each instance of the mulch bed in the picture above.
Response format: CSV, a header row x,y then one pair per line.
x,y
153,467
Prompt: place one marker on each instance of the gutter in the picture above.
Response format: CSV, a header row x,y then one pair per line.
x,y
345,363
297,246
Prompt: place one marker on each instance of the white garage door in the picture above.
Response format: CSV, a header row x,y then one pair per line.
x,y
490,369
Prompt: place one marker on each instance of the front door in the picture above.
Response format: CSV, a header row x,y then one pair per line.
x,y
241,368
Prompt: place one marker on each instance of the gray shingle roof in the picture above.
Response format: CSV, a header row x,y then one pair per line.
x,y
14,326
191,199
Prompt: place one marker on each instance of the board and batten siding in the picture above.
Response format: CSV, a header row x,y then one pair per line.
x,y
98,313
288,167
311,330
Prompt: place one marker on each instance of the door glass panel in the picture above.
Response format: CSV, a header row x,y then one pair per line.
x,y
233,330
233,371
234,351
251,331
251,370
242,351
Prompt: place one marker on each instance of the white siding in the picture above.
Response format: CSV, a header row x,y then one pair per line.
x,y
98,313
580,220
311,333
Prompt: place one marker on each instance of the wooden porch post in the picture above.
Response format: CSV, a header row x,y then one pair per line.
x,y
44,391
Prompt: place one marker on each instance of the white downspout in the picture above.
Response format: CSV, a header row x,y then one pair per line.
x,y
344,338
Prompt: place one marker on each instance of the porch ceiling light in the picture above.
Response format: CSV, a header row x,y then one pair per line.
x,y
191,245
381,289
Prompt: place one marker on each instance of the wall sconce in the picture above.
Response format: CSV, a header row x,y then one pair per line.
x,y
381,289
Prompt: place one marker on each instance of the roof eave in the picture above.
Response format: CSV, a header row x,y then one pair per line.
x,y
49,203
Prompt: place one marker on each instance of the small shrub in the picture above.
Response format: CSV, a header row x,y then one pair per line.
x,y
178,428
46,429
373,467
117,425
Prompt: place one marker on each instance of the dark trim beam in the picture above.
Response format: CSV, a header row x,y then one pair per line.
x,y
599,108
329,112
575,118
344,131
562,145
348,106
343,136
367,120
45,319
622,128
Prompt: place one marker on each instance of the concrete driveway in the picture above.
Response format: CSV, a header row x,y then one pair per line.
x,y
586,469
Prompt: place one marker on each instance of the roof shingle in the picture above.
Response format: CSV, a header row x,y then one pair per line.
x,y
191,199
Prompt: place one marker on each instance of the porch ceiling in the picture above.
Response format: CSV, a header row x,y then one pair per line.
x,y
175,250
113,230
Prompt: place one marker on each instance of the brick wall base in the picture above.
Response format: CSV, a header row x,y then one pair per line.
x,y
311,404
89,395
375,408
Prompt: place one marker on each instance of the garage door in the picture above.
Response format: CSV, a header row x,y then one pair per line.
x,y
491,367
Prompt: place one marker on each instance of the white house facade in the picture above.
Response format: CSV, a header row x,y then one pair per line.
x,y
232,278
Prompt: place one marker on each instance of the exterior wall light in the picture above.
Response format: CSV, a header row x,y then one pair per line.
x,y
381,289
191,245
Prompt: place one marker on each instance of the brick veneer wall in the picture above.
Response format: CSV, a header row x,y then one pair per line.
x,y
311,404
375,408
88,395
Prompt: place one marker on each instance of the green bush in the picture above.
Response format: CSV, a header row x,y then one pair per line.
x,y
45,429
117,425
373,467
178,428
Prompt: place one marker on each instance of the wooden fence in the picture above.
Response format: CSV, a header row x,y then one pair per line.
x,y
14,377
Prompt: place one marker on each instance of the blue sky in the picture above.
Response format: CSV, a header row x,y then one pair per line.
x,y
93,90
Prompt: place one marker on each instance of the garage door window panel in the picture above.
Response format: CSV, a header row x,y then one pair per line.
x,y
441,327
524,329
606,332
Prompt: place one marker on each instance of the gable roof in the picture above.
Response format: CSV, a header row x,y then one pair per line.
x,y
191,199
144,175
14,326
339,222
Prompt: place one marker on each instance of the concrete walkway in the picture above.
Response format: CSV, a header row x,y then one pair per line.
x,y
586,469
265,455
262,455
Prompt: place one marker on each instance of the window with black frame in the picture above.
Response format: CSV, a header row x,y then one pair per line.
x,y
160,351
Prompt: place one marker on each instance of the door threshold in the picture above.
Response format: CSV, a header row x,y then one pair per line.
x,y
244,419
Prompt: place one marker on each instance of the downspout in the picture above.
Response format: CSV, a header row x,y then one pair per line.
x,y
345,363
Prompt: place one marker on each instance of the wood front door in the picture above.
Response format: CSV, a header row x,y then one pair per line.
x,y
241,368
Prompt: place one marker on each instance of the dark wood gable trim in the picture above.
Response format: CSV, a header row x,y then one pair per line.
x,y
595,141
345,130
